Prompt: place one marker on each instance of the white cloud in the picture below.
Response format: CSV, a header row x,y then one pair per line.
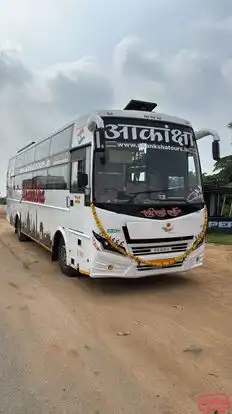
x,y
14,50
12,71
176,81
25,15
33,103
131,58
136,71
189,83
187,63
227,72
212,24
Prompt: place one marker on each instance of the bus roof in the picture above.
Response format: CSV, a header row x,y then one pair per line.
x,y
142,114
82,119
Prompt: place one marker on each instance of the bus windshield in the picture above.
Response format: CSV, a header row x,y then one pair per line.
x,y
147,162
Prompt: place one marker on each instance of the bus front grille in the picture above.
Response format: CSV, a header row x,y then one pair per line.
x,y
156,248
141,267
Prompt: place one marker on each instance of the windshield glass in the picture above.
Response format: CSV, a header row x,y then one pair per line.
x,y
147,162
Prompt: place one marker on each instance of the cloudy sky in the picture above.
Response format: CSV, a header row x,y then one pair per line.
x,y
62,57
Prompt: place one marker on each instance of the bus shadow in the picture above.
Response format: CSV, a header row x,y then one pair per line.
x,y
108,286
119,286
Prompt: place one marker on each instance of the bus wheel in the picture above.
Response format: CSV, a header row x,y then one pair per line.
x,y
62,258
21,237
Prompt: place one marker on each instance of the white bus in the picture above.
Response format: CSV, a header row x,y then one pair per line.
x,y
117,193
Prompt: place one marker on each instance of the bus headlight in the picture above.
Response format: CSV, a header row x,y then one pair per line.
x,y
105,244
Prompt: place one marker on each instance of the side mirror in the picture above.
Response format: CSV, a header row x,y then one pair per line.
x,y
94,122
216,150
99,140
82,180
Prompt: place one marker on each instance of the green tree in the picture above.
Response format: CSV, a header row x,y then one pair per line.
x,y
2,200
224,169
210,179
223,172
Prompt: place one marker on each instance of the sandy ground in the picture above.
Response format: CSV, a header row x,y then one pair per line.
x,y
59,345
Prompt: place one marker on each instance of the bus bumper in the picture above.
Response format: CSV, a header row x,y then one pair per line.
x,y
108,265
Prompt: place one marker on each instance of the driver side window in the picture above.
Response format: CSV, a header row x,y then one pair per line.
x,y
78,168
192,173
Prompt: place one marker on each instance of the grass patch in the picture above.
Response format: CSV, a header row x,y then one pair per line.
x,y
219,238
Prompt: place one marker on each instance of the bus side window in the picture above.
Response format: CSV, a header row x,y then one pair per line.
x,y
78,160
18,182
77,169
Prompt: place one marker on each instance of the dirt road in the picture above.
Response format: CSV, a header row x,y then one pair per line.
x,y
60,350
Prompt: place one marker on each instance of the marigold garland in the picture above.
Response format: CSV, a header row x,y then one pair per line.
x,y
139,260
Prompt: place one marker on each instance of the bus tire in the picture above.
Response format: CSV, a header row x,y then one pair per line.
x,y
62,259
21,236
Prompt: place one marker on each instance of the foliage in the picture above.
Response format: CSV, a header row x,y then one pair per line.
x,y
223,172
2,201
224,168
219,238
210,179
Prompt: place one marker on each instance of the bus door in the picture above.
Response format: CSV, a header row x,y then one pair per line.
x,y
80,179
78,202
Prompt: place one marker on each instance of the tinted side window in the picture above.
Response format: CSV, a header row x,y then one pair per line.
x,y
61,141
20,160
40,179
78,162
58,177
18,182
10,174
42,150
77,170
29,156
11,166
27,181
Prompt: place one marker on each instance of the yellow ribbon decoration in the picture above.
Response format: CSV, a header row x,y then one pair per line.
x,y
139,260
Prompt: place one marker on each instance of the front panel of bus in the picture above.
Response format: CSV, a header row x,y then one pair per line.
x,y
147,196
